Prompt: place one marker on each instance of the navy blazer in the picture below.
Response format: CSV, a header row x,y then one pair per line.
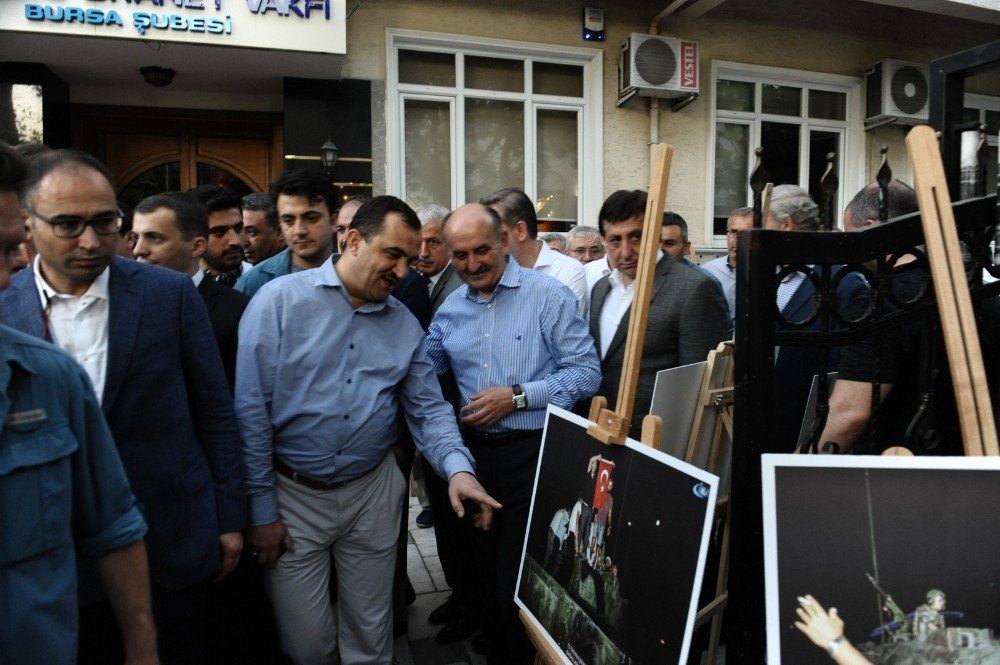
x,y
169,409
225,309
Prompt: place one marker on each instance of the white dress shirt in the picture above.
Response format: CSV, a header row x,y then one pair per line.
x,y
616,303
594,271
79,325
567,270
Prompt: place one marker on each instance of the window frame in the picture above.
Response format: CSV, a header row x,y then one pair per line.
x,y
590,109
851,167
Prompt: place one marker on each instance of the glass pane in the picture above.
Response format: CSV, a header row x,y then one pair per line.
x,y
970,115
732,154
820,144
781,152
734,95
991,170
993,123
558,167
552,79
780,100
20,113
826,105
427,152
427,68
494,74
494,146
157,180
208,174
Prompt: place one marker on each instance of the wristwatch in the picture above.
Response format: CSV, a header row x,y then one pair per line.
x,y
834,644
519,399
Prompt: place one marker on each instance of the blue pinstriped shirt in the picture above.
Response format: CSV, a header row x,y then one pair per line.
x,y
528,332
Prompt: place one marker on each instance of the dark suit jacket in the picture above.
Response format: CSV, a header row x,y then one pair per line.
x,y
447,282
225,308
796,365
412,292
688,317
169,409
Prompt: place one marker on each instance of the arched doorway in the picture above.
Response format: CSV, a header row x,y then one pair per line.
x,y
150,151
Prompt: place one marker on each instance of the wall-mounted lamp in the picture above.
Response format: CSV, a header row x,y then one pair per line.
x,y
160,77
328,155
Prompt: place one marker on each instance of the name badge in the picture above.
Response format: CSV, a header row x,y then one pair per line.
x,y
22,418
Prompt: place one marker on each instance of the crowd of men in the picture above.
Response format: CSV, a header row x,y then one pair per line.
x,y
210,417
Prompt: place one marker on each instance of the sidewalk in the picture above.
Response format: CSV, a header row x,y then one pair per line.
x,y
424,568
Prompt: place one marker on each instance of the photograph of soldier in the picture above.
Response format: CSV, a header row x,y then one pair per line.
x,y
615,548
881,539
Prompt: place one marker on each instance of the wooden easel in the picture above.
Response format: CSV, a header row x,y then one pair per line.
x,y
612,427
717,396
958,322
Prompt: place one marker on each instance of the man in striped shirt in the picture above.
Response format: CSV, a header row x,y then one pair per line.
x,y
514,340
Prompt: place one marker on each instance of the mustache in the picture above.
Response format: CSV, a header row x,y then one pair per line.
x,y
478,271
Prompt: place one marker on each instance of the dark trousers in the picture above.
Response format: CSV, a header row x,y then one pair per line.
x,y
454,544
506,469
180,616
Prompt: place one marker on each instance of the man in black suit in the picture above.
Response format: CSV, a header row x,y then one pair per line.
x,y
688,315
435,259
171,230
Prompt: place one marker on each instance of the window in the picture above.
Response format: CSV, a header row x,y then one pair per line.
x,y
797,118
986,110
466,117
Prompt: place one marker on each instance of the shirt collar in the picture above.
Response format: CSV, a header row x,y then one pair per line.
x,y
198,277
326,275
546,257
615,276
98,288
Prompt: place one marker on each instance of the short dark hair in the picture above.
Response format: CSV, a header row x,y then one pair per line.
x,y
13,169
622,205
864,205
314,185
493,215
190,216
262,202
360,199
44,163
370,217
673,219
215,199
514,206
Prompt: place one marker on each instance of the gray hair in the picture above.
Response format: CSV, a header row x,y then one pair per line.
x,y
432,212
583,232
549,237
795,202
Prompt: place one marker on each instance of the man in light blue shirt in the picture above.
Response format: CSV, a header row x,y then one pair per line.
x,y
516,343
325,360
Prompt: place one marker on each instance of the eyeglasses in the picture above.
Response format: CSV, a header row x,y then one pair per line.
x,y
597,252
70,226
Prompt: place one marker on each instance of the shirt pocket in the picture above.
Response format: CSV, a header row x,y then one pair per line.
x,y
36,486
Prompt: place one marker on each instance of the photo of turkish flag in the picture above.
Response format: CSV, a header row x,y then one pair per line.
x,y
604,469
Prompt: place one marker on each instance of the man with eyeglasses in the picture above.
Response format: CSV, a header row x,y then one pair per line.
x,y
724,267
143,336
585,244
223,257
687,312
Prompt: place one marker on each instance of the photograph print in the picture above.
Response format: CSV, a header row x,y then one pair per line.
x,y
906,549
615,548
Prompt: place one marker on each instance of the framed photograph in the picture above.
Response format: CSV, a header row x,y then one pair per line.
x,y
615,549
904,548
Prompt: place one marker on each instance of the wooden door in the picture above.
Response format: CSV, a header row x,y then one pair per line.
x,y
150,151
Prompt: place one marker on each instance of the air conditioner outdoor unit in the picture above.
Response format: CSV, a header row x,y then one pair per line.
x,y
897,91
657,66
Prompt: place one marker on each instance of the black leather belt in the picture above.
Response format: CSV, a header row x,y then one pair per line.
x,y
312,483
509,435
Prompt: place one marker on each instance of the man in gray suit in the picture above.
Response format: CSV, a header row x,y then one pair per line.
x,y
688,315
435,259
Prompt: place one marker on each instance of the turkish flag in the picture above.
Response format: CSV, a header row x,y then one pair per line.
x,y
604,469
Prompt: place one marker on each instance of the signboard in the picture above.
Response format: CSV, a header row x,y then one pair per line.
x,y
615,549
316,26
